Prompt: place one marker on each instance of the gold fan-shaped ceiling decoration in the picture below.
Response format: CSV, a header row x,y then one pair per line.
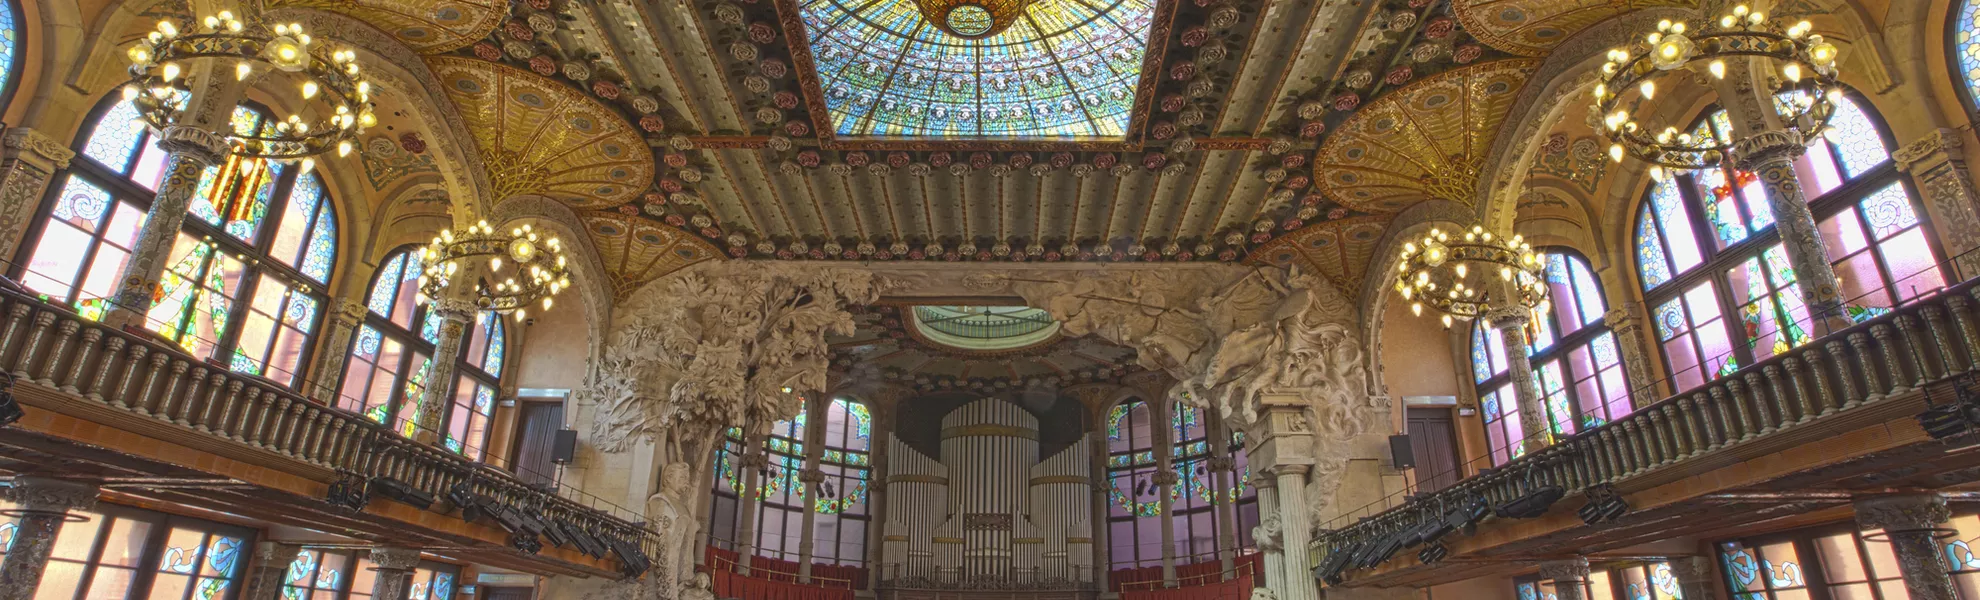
x,y
537,136
1424,141
1535,27
1339,249
636,251
428,26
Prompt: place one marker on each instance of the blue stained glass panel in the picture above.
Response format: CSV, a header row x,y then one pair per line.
x,y
82,204
496,347
1063,68
1889,211
383,293
1856,140
1650,258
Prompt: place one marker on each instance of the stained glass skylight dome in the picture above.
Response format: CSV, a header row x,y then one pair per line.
x,y
984,328
1056,69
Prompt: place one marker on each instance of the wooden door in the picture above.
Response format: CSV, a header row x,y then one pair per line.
x,y
535,434
1433,438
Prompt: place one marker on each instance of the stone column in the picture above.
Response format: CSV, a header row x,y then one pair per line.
x,y
1266,534
1910,520
27,160
1570,577
266,573
1533,421
1222,467
753,462
395,572
1936,164
810,477
339,328
1634,346
456,315
1103,560
1695,577
191,150
1771,154
882,408
1295,529
1165,484
45,505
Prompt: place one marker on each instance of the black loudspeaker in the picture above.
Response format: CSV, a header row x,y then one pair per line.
x,y
1401,452
564,448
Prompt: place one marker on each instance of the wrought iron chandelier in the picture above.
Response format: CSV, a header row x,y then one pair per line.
x,y
328,79
539,268
1806,65
1460,278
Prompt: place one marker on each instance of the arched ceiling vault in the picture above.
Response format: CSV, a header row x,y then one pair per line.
x,y
1425,141
1535,27
426,26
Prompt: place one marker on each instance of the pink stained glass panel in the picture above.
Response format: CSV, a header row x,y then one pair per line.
x,y
1911,264
57,260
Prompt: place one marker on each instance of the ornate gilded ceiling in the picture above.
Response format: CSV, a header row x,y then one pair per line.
x,y
1269,132
427,26
1425,141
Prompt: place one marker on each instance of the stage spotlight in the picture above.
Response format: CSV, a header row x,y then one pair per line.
x,y
403,492
1535,502
1433,554
10,410
349,492
1604,504
632,560
1954,418
554,531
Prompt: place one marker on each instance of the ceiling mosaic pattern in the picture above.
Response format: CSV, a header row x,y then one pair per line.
x,y
1340,249
538,136
1534,27
636,251
1421,142
428,26
1055,69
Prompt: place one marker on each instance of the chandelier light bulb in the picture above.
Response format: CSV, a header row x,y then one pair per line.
x,y
1740,11
168,29
495,264
1616,152
131,92
170,72
1718,69
1649,89
1792,72
344,148
1726,22
309,89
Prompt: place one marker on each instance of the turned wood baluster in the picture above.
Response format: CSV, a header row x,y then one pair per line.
x,y
133,368
1893,355
113,349
72,382
197,388
1839,355
1797,380
1917,353
163,405
1778,389
288,424
1710,435
1818,376
317,434
31,346
16,320
1680,430
154,370
261,401
64,332
222,410
1969,332
1945,341
1653,428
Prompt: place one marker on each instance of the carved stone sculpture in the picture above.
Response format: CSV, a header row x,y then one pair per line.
x,y
671,512
699,589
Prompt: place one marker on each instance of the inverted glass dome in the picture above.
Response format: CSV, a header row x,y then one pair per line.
x,y
983,328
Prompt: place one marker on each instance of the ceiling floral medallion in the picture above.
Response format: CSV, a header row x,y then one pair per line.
x,y
636,251
1535,27
427,26
1338,249
1404,43
1426,141
540,136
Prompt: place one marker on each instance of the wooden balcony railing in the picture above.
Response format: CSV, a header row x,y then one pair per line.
x,y
50,346
1820,383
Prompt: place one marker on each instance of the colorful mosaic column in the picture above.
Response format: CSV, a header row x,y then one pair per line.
x,y
1911,521
395,572
27,160
1632,343
1266,535
1570,577
1947,186
44,504
1533,422
191,150
267,573
340,327
1771,154
456,315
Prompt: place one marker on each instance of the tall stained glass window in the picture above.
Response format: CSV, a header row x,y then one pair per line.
x,y
1134,509
391,356
1573,355
1048,68
10,47
1135,518
244,280
1838,561
845,451
123,552
1718,283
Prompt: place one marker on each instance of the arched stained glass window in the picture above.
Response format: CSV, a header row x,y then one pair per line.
x,y
842,514
389,363
1573,355
1134,507
245,279
10,48
1718,283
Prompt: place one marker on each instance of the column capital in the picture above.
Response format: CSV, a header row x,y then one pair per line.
x,y
351,311
1284,470
1221,464
1940,142
36,147
193,142
754,460
812,476
1507,317
1570,570
452,309
388,557
1262,481
38,494
1902,513
1773,144
1164,477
